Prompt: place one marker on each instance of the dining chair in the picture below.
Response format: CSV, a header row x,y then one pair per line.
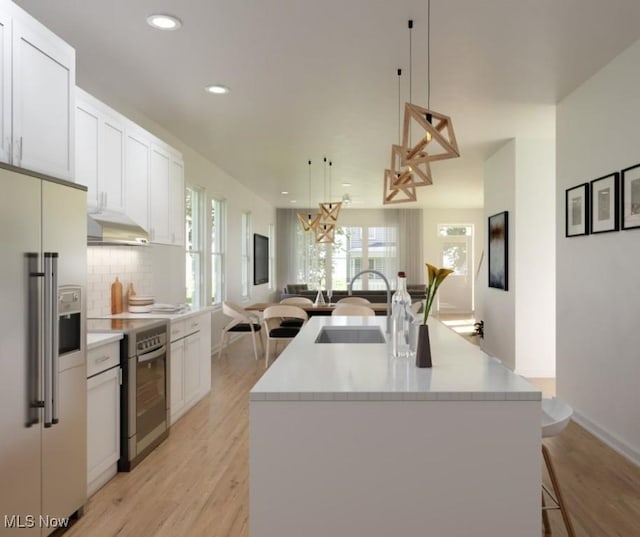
x,y
273,317
353,309
353,300
295,301
241,322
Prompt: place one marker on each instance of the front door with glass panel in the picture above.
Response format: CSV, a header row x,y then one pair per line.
x,y
456,246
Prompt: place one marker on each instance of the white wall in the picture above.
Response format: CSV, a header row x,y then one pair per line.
x,y
535,259
497,306
598,294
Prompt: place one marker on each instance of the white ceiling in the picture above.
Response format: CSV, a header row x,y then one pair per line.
x,y
310,78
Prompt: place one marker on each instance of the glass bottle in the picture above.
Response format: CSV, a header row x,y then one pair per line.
x,y
401,319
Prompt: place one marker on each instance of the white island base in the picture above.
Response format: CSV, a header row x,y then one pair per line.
x,y
387,449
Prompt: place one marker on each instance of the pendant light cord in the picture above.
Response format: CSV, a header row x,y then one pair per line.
x,y
428,54
324,183
399,107
309,187
330,163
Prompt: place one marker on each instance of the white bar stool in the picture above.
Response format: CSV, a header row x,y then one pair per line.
x,y
555,417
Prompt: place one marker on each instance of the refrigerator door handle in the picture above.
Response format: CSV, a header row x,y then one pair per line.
x,y
35,349
48,337
55,338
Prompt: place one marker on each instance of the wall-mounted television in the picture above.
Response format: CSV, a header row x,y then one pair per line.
x,y
260,259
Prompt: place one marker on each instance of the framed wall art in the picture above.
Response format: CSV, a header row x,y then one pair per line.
x,y
631,197
605,201
577,211
498,250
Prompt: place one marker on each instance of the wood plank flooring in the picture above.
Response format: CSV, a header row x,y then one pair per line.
x,y
197,482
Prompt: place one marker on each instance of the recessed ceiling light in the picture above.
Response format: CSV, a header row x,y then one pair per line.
x,y
284,192
346,184
162,21
217,89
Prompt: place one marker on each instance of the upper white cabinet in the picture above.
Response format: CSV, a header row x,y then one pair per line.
x,y
38,95
137,161
128,170
166,196
100,142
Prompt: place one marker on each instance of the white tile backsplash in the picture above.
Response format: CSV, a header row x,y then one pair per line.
x,y
104,263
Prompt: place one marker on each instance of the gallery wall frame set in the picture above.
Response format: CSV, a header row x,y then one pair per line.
x,y
609,203
498,227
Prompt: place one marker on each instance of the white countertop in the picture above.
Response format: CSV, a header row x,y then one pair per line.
x,y
308,371
96,340
192,312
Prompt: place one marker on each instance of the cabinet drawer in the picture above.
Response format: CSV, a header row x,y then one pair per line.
x,y
191,325
177,330
103,357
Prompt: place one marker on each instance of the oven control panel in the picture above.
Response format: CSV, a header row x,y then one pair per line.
x,y
151,339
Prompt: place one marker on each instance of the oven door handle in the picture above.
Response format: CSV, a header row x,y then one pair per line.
x,y
153,355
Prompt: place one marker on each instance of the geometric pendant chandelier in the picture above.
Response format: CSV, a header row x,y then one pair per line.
x,y
329,210
309,221
398,187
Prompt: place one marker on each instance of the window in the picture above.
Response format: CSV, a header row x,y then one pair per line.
x,y
332,266
245,258
456,244
194,245
217,250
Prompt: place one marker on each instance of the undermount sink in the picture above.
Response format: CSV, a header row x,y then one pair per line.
x,y
350,334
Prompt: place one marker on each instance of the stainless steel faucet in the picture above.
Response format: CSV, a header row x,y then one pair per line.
x,y
386,282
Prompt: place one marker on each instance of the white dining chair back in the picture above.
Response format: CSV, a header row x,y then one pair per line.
x,y
275,330
297,301
353,300
353,309
242,322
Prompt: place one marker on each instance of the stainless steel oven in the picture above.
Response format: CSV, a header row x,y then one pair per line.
x,y
144,395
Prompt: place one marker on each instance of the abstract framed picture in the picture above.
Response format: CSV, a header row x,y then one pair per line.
x,y
631,197
605,201
577,211
499,250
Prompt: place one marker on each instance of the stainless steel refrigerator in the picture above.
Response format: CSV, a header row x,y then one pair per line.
x,y
43,389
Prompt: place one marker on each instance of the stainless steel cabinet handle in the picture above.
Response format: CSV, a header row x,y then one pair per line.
x,y
55,339
47,336
21,144
35,348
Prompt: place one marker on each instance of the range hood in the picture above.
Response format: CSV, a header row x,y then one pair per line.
x,y
114,229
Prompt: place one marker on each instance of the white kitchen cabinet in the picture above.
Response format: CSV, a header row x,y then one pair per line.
x,y
103,415
42,97
137,156
100,140
176,371
159,195
176,200
190,362
5,86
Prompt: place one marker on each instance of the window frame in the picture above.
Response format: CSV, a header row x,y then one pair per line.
x,y
217,236
197,196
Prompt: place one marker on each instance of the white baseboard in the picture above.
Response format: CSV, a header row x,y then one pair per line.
x,y
535,373
612,440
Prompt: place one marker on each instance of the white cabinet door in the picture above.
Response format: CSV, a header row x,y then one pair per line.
x,y
87,128
136,157
103,422
176,390
111,163
5,87
176,200
159,196
191,367
205,353
43,93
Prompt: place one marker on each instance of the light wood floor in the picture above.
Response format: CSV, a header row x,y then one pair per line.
x,y
197,484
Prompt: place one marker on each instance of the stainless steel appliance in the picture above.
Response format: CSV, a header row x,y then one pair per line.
x,y
144,395
43,389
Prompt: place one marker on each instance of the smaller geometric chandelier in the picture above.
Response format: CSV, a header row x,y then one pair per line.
x,y
309,221
325,232
329,210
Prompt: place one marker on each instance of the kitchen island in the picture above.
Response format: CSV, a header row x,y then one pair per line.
x,y
347,441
